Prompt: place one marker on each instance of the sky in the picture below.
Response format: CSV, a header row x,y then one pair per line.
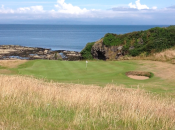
x,y
97,12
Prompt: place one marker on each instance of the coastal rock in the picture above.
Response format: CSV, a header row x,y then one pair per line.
x,y
100,51
71,55
31,53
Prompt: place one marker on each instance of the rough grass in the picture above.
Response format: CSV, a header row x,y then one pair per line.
x,y
165,56
28,103
11,63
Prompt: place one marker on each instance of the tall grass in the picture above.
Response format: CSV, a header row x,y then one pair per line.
x,y
28,103
167,55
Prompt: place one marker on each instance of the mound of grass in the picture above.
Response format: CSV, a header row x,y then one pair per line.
x,y
28,103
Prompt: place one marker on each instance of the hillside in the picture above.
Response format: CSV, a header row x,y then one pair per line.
x,y
113,46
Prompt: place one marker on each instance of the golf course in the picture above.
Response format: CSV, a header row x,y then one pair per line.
x,y
54,94
121,82
100,73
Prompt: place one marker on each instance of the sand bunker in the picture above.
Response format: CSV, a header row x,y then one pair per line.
x,y
139,75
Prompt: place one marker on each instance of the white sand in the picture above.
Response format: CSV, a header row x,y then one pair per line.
x,y
138,77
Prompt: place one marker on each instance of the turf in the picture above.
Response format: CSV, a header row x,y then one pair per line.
x,y
97,72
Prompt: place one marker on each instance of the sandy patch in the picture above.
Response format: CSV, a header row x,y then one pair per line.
x,y
138,77
11,63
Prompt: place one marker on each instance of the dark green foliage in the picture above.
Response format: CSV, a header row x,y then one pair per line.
x,y
171,27
86,52
153,40
111,39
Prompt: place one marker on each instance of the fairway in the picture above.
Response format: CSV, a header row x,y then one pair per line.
x,y
97,72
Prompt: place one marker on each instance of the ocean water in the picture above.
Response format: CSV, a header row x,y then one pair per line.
x,y
61,37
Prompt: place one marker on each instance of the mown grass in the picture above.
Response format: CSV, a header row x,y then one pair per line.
x,y
97,72
28,103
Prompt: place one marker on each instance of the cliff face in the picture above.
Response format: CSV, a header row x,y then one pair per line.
x,y
101,51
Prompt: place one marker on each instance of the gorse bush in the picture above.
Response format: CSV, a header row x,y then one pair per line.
x,y
86,52
150,41
111,39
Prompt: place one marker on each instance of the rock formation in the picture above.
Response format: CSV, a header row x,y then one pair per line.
x,y
31,53
100,51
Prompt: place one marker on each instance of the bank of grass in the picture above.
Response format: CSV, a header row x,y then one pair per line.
x,y
28,103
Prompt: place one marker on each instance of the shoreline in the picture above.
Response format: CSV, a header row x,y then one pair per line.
x,y
12,52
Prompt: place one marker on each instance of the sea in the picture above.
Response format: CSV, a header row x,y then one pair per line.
x,y
61,37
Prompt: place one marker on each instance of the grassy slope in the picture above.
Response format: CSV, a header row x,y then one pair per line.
x,y
98,73
31,104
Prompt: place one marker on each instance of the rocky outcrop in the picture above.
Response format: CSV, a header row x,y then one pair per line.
x,y
31,53
100,51
71,55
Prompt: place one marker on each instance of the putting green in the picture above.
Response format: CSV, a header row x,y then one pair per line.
x,y
97,72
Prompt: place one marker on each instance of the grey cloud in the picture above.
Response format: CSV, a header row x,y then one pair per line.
x,y
123,9
171,7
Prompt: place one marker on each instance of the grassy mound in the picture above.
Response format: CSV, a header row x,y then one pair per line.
x,y
28,103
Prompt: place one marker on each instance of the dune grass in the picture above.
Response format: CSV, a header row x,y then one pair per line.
x,y
28,103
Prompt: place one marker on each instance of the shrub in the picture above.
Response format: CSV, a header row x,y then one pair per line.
x,y
111,40
157,39
86,52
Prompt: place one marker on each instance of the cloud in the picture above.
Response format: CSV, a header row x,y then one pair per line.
x,y
138,5
141,14
32,9
69,8
5,10
171,7
154,7
124,9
